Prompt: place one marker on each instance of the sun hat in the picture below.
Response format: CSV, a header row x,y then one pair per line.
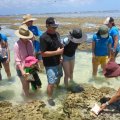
x,y
30,60
108,20
51,21
103,30
27,18
77,36
23,32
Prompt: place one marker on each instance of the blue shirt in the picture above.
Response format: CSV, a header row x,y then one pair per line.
x,y
35,30
3,37
114,32
101,45
36,45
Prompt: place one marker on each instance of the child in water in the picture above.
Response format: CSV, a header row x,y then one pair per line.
x,y
31,69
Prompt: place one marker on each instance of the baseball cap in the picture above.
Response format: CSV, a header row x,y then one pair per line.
x,y
103,30
51,21
108,20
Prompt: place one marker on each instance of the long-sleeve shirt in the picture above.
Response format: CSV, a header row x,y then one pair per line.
x,y
21,51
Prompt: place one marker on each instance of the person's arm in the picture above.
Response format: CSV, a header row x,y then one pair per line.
x,y
18,59
59,51
115,98
115,41
8,52
44,46
93,48
109,50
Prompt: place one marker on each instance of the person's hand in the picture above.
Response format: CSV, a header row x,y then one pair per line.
x,y
93,57
103,106
60,50
25,75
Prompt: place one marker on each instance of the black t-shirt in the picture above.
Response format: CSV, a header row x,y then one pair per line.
x,y
50,42
69,50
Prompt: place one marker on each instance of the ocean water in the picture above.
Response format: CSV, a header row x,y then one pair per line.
x,y
12,90
111,13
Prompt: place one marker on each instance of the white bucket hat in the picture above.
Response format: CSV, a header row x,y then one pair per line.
x,y
24,32
77,36
27,18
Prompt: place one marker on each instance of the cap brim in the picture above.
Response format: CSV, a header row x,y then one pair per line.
x,y
54,25
80,40
23,37
32,19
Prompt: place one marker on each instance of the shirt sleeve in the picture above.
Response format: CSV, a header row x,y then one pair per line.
x,y
4,37
39,32
94,38
114,33
110,40
43,44
17,54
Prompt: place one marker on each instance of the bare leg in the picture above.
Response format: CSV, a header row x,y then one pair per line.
x,y
66,67
72,63
95,68
25,86
7,69
50,88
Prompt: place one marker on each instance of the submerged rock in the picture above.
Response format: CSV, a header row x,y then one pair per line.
x,y
76,106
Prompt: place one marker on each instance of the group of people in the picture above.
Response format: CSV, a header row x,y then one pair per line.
x,y
105,47
47,48
35,48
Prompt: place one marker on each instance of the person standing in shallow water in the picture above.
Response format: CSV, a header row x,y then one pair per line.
x,y
70,45
114,33
51,50
28,20
22,49
5,59
101,48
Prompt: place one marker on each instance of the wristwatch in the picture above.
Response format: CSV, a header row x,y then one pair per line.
x,y
107,103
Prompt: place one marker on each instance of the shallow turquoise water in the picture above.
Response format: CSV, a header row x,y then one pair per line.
x,y
12,90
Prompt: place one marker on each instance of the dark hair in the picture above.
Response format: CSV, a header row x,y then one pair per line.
x,y
112,21
98,33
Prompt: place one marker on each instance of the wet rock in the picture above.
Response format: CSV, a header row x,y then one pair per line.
x,y
76,106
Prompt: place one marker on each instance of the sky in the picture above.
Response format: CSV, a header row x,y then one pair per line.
x,y
10,7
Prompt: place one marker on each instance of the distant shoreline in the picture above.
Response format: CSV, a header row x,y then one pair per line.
x,y
82,13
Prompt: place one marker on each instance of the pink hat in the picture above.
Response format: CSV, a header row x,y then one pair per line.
x,y
30,60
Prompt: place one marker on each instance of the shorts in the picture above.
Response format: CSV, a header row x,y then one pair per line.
x,y
100,60
54,73
2,60
19,74
66,58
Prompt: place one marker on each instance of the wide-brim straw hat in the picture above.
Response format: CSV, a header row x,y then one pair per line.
x,y
23,32
77,36
27,18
